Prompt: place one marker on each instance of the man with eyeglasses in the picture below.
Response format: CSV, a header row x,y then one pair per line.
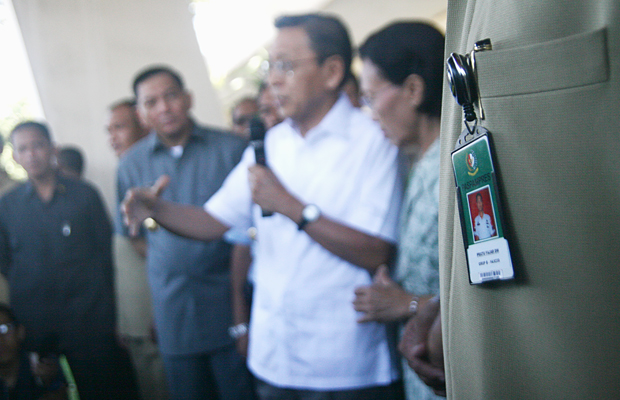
x,y
332,183
189,279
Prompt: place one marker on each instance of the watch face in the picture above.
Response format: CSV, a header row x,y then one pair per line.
x,y
311,213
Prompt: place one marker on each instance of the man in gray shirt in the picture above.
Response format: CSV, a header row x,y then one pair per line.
x,y
189,279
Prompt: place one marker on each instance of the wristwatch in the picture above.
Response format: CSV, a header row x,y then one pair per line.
x,y
238,330
309,214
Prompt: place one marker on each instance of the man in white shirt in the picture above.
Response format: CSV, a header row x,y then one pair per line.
x,y
332,183
483,227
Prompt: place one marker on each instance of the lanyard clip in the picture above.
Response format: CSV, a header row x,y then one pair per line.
x,y
463,79
481,45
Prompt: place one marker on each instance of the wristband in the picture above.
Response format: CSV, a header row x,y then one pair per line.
x,y
238,330
413,306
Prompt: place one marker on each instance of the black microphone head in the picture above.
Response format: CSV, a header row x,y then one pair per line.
x,y
257,129
49,345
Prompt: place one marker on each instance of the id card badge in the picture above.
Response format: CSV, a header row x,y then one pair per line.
x,y
487,250
488,253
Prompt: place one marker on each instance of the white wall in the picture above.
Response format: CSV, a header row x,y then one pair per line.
x,y
84,54
364,17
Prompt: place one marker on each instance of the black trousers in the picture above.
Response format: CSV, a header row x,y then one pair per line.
x,y
393,391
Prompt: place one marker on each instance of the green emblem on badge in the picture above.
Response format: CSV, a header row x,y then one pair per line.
x,y
472,163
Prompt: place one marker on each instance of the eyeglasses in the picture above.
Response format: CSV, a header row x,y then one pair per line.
x,y
244,119
369,101
6,328
286,67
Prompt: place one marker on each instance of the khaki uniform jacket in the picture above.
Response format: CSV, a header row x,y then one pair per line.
x,y
551,92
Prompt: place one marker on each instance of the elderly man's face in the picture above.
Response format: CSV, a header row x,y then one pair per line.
x,y
302,87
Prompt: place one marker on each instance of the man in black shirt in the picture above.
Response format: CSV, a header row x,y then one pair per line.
x,y
55,250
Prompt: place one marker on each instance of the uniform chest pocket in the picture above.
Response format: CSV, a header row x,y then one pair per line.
x,y
568,62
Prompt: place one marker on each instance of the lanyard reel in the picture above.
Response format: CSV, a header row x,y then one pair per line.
x,y
463,79
482,222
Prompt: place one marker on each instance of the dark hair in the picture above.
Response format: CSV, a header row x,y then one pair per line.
x,y
479,195
328,36
156,70
245,99
4,308
122,103
405,48
71,157
262,87
40,126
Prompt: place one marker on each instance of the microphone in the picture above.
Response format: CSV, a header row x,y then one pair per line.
x,y
49,346
257,141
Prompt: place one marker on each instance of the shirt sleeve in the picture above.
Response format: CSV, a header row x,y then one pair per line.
x,y
101,231
382,191
5,253
123,184
490,224
232,203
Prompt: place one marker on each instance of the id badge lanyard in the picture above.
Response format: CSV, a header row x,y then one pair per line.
x,y
482,221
